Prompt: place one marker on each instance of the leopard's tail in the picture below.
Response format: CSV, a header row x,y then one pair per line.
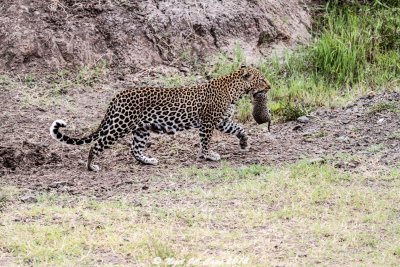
x,y
55,133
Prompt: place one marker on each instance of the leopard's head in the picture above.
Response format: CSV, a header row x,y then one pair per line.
x,y
254,81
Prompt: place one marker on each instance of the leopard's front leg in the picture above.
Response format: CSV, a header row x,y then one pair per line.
x,y
206,131
230,127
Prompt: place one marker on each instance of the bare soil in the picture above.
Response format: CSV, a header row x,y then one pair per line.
x,y
31,160
46,36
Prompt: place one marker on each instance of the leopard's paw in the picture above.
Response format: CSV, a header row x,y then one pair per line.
x,y
151,161
94,168
212,156
245,149
147,161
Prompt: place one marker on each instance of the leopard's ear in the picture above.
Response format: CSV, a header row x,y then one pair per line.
x,y
247,75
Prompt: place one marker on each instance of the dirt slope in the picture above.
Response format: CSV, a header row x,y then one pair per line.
x,y
43,36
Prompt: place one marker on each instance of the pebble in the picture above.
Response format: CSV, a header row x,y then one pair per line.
x,y
316,161
301,254
28,198
137,203
303,119
297,128
381,120
58,184
145,187
343,138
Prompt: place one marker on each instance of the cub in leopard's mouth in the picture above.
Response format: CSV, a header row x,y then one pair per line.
x,y
261,113
139,111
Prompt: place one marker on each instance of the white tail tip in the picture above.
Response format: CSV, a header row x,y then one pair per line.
x,y
54,127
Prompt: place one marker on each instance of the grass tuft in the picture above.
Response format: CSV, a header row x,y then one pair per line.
x,y
88,75
385,106
244,109
3,201
394,136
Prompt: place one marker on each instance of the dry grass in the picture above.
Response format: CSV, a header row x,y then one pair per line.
x,y
300,214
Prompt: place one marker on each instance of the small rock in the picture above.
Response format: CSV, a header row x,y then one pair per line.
x,y
145,187
303,119
297,128
44,144
58,184
339,165
351,165
184,69
24,8
316,161
302,255
343,139
381,120
137,203
28,198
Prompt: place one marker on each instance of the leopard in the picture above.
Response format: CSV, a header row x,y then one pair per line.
x,y
139,111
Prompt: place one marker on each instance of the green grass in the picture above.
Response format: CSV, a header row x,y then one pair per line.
x,y
244,109
276,215
376,148
355,50
225,64
385,106
394,136
30,80
91,73
4,80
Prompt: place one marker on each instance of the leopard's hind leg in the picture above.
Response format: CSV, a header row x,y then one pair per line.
x,y
206,131
107,138
140,137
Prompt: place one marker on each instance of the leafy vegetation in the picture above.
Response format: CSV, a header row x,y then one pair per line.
x,y
356,48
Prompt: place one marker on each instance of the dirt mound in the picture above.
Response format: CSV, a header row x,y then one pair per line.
x,y
28,156
43,36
